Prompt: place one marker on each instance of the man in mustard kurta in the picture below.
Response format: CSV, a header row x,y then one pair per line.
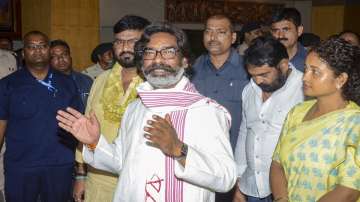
x,y
110,94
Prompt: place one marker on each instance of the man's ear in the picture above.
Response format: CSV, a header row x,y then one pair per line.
x,y
233,37
185,63
300,30
284,65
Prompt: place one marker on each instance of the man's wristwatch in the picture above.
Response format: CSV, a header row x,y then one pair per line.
x,y
183,152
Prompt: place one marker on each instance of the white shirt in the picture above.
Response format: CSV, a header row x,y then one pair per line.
x,y
7,63
93,71
260,130
209,165
7,66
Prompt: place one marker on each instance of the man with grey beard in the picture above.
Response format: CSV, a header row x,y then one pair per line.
x,y
174,143
110,94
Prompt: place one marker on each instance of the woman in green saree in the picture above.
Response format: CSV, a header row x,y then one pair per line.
x,y
318,155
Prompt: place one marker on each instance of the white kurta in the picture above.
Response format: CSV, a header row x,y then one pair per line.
x,y
209,166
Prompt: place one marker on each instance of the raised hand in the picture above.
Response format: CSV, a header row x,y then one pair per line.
x,y
161,134
86,130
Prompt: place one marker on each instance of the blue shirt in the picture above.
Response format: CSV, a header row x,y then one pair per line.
x,y
299,58
83,83
224,85
32,135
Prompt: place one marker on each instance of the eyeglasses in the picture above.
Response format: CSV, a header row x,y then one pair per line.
x,y
121,42
166,53
36,46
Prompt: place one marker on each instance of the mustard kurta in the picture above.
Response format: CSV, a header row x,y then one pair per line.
x,y
320,153
109,101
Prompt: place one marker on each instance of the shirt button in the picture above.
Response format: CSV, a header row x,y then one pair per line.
x,y
257,172
215,91
256,156
263,122
217,74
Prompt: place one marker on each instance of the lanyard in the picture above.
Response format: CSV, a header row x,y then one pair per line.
x,y
48,84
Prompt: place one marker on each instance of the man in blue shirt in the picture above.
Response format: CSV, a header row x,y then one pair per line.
x,y
220,74
61,60
39,157
286,27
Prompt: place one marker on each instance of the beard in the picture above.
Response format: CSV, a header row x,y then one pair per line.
x,y
275,85
126,59
167,80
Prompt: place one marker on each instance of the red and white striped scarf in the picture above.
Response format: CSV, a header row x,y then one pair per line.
x,y
178,100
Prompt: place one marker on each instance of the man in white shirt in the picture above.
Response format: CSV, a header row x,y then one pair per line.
x,y
7,66
275,87
174,143
102,57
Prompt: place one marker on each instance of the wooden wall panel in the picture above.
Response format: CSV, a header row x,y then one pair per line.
x,y
352,17
36,15
327,20
77,22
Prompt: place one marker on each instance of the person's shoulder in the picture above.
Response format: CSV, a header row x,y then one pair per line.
x,y
199,61
247,89
19,74
134,106
83,76
103,75
89,68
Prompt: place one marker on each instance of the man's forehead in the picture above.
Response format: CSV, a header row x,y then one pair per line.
x,y
59,49
218,23
162,40
129,34
282,24
256,69
36,38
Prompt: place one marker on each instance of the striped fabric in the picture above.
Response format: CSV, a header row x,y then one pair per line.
x,y
184,98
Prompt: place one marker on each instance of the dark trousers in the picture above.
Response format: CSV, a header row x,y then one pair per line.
x,y
50,184
225,197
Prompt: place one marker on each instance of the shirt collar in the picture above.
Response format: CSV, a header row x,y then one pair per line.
x,y
301,51
232,59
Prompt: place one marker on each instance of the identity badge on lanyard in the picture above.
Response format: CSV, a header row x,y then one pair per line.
x,y
48,84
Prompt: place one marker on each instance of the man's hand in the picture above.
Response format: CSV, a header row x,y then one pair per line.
x,y
161,134
238,196
79,191
86,130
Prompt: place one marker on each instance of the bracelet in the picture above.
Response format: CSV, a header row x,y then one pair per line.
x,y
281,198
80,174
80,177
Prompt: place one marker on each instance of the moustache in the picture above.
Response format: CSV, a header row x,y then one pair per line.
x,y
212,43
159,67
282,39
126,53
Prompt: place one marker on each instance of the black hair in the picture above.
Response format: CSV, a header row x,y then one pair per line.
x,y
130,22
309,39
59,42
265,50
35,32
342,57
290,14
357,36
181,40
